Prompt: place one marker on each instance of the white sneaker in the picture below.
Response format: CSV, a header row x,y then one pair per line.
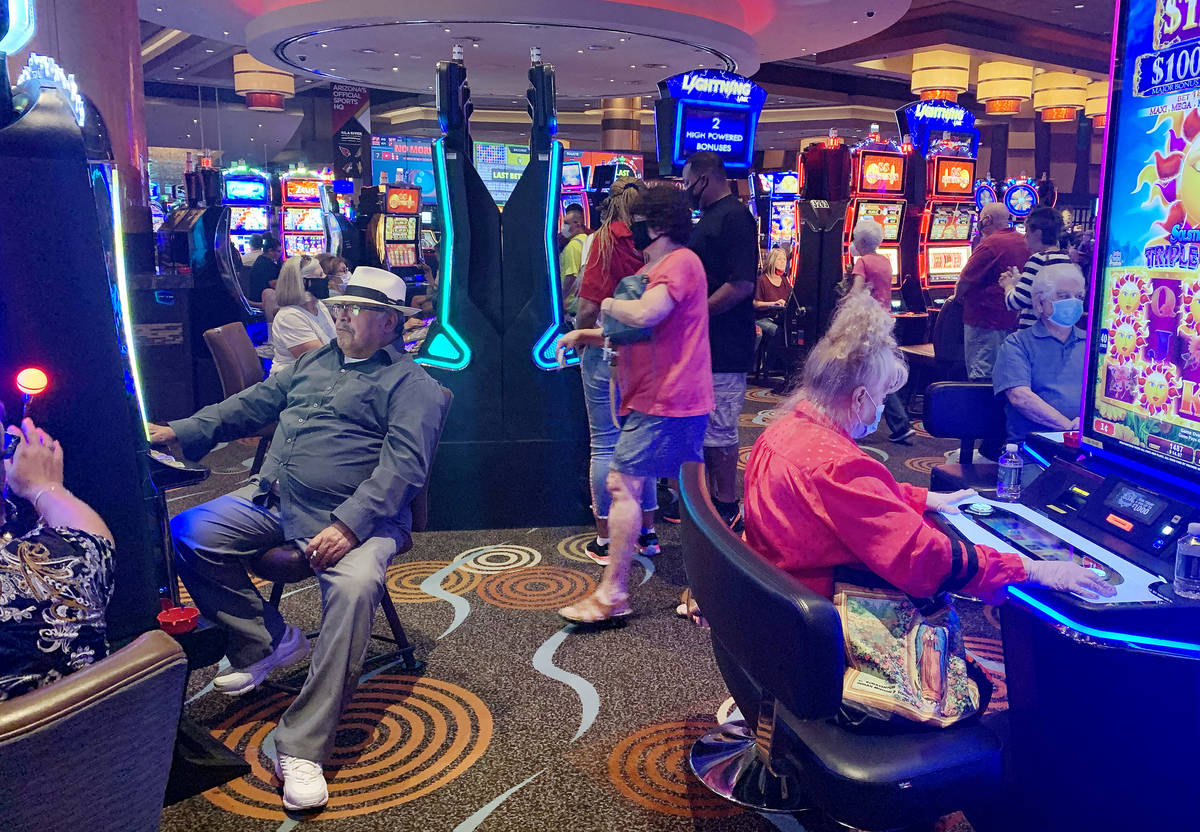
x,y
292,648
303,783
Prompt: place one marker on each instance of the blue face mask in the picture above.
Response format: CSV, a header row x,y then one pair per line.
x,y
1067,312
862,430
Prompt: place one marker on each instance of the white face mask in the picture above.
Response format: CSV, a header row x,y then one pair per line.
x,y
861,430
565,231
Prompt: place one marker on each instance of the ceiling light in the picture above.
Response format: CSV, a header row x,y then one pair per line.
x,y
447,31
176,68
251,138
580,51
180,78
853,21
158,8
210,51
612,80
195,121
260,125
633,66
324,45
395,69
395,54
226,34
367,51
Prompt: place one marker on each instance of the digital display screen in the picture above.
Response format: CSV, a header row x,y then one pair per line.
x,y
888,214
783,221
723,130
1033,540
954,177
302,219
403,200
403,160
246,190
880,173
950,222
402,229
785,184
294,244
1142,388
302,190
946,262
249,218
572,176
401,254
1135,503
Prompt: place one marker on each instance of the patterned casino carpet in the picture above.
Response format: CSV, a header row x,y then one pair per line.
x,y
516,723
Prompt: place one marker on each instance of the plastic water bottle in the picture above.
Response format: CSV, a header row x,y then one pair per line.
x,y
1008,485
1187,563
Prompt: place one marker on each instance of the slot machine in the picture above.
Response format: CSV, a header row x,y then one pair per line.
x,y
946,223
1104,693
401,229
246,201
781,226
1020,198
301,216
877,192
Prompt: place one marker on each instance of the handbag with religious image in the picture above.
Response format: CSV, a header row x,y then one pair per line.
x,y
906,666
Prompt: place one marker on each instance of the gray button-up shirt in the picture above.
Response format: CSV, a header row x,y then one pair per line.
x,y
354,443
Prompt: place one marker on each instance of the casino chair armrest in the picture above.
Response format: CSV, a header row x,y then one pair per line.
x,y
964,410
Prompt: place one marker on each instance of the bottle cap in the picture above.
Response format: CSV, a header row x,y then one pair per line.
x,y
1194,528
1011,447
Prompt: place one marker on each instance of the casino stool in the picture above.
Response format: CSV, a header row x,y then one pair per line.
x,y
283,565
779,649
93,750
239,367
966,411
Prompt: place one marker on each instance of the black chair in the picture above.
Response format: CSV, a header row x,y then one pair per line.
x,y
967,411
779,648
282,565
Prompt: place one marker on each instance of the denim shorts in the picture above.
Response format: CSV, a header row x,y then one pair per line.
x,y
729,391
656,446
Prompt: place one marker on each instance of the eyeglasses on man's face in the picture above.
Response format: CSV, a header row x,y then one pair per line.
x,y
353,308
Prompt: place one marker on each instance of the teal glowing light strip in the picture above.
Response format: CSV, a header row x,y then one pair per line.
x,y
544,350
447,349
114,195
1105,635
22,23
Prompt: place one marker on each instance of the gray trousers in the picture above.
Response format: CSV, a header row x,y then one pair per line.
x,y
212,543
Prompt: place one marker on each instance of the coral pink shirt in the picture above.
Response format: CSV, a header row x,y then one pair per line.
x,y
815,500
876,271
670,374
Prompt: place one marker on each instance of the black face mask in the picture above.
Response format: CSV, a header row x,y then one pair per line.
x,y
641,235
693,194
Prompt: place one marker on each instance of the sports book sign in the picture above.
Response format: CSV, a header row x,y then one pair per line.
x,y
351,131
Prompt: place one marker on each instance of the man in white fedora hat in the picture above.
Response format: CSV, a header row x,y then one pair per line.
x,y
358,423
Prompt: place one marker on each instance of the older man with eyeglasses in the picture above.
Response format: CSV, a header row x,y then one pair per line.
x,y
358,425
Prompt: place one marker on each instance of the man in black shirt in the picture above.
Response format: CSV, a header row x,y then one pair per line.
x,y
265,270
726,241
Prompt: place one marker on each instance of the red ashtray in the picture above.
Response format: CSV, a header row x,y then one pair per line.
x,y
1071,439
176,620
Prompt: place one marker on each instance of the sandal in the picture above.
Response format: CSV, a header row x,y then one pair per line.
x,y
593,611
689,609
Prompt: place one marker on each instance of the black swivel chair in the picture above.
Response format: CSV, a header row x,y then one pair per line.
x,y
779,648
966,411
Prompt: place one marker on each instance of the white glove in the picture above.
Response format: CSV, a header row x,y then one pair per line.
x,y
1067,576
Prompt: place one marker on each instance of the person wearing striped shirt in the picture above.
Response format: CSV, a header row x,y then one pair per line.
x,y
1043,228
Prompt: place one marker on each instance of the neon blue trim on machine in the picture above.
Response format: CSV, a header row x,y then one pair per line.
x,y
1105,635
544,350
1025,447
22,23
447,349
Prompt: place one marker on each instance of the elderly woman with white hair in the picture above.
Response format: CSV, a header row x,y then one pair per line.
x,y
873,273
1039,370
302,323
871,269
816,501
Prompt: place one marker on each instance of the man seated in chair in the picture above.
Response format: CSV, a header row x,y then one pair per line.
x,y
1039,370
358,426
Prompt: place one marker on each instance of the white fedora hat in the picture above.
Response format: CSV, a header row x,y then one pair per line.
x,y
369,286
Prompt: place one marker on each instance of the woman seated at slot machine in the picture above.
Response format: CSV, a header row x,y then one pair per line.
x,y
815,500
302,323
56,568
771,295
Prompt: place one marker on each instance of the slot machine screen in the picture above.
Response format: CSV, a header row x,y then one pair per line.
x,y
294,244
950,223
401,254
572,176
887,214
249,218
403,200
785,185
402,229
881,173
302,190
245,190
946,262
302,219
954,177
